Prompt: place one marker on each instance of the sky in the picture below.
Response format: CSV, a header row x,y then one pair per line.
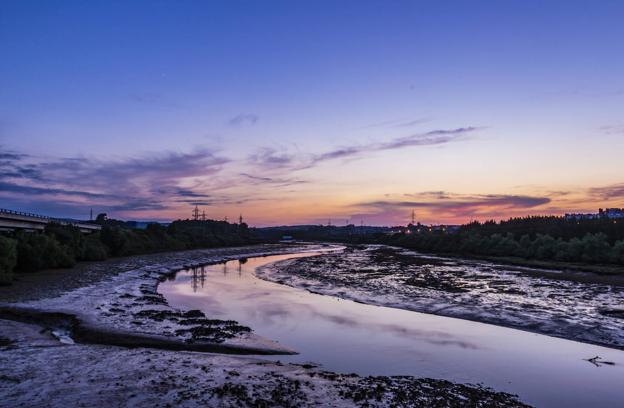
x,y
301,112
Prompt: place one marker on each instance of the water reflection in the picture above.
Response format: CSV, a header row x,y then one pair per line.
x,y
351,337
198,277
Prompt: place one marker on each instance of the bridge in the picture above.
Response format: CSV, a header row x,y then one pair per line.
x,y
15,220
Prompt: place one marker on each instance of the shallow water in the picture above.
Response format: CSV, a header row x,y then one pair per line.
x,y
345,336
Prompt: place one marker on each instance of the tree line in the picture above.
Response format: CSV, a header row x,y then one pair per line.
x,y
590,249
62,246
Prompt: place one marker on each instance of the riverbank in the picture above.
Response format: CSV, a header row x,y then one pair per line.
x,y
570,305
118,300
37,370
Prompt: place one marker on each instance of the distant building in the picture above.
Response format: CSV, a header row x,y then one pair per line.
x,y
611,213
580,216
608,213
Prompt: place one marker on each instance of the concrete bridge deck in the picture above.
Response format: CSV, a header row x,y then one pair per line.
x,y
14,220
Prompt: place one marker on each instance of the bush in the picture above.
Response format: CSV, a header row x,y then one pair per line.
x,y
39,251
8,259
617,254
93,249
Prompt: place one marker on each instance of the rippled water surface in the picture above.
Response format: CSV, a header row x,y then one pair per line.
x,y
345,336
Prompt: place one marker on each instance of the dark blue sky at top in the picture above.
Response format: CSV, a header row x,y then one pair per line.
x,y
115,79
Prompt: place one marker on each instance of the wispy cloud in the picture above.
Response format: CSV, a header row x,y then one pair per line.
x,y
274,181
441,205
273,159
244,119
614,191
613,129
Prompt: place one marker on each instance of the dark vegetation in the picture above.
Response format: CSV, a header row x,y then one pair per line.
x,y
61,246
545,239
598,241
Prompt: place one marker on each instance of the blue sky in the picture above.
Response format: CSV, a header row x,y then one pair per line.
x,y
332,108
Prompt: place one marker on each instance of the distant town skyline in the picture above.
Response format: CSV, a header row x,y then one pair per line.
x,y
300,112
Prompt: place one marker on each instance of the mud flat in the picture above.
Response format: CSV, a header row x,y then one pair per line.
x,y
554,303
66,351
38,370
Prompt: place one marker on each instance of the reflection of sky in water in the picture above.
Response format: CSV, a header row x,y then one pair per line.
x,y
351,337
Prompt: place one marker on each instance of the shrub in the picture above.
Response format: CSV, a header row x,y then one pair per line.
x,y
39,251
93,249
8,259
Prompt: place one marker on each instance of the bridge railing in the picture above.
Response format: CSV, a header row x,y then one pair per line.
x,y
24,214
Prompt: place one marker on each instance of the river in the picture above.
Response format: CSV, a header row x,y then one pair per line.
x,y
345,336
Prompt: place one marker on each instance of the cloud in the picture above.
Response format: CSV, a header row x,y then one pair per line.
x,y
613,129
270,158
148,182
39,191
275,181
431,138
459,202
267,157
613,191
411,123
244,119
441,205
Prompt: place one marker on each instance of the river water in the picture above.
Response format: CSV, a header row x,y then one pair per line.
x,y
345,336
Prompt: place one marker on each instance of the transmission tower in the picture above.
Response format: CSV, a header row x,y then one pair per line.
x,y
196,213
413,218
240,219
203,215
